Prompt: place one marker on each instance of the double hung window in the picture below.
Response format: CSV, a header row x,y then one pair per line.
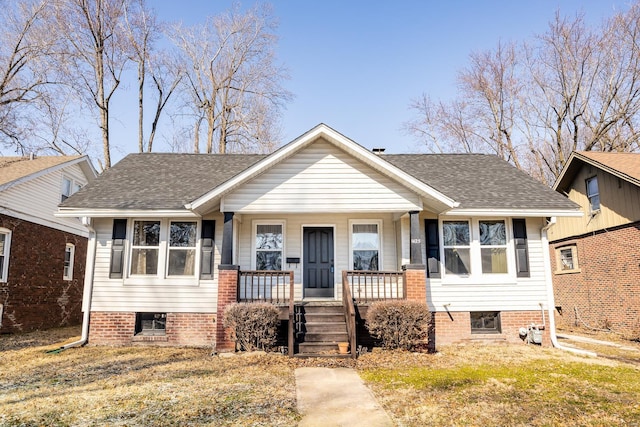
x,y
493,243
182,248
69,253
69,186
145,248
457,247
593,194
269,246
365,243
5,242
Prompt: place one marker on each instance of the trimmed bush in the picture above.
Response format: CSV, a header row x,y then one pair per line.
x,y
254,326
399,323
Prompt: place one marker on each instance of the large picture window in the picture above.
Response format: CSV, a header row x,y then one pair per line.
x,y
493,242
5,243
182,248
145,248
457,247
269,246
365,241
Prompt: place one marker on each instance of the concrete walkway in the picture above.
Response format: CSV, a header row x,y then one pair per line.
x,y
578,338
336,397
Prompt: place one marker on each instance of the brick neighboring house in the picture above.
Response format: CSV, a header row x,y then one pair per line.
x,y
42,258
321,228
596,258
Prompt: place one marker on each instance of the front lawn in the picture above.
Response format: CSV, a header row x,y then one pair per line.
x,y
469,385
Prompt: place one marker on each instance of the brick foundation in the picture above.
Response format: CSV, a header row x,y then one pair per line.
x,y
455,328
182,329
605,293
35,297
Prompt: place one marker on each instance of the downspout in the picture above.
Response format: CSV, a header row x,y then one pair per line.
x,y
550,297
88,288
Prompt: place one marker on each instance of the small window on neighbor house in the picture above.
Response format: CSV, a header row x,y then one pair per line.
x,y
69,253
5,243
151,323
269,246
593,194
365,243
69,186
485,322
567,259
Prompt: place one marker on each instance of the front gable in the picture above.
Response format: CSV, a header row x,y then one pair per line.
x,y
321,177
337,143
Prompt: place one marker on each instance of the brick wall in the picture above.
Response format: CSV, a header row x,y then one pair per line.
x,y
182,329
416,283
35,297
455,328
227,294
605,293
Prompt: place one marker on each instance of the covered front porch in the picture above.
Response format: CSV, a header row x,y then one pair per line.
x,y
314,326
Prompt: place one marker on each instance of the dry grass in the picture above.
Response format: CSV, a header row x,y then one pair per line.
x,y
471,385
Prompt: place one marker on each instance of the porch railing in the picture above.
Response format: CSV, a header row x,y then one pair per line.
x,y
369,286
271,286
349,314
275,287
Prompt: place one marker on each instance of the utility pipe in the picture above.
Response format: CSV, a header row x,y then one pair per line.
x,y
88,288
550,299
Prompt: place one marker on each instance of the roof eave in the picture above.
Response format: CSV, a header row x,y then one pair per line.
x,y
528,213
128,213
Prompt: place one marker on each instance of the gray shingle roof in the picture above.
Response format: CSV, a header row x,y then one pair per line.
x,y
169,181
480,181
159,180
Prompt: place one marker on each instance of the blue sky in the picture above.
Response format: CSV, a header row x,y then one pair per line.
x,y
355,65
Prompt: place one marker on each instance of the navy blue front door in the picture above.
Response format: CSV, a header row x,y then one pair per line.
x,y
318,262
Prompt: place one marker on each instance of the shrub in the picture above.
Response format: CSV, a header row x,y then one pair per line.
x,y
254,326
399,324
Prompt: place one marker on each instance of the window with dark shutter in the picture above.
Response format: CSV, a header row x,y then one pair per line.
x,y
432,247
208,238
522,251
118,237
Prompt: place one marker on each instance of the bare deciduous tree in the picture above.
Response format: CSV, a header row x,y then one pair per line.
x,y
571,88
232,81
25,70
95,54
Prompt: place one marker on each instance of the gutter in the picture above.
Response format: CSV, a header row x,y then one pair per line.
x,y
550,298
88,288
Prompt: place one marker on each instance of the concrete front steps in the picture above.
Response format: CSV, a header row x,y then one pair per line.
x,y
321,326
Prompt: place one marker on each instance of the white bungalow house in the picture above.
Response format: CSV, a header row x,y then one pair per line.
x,y
322,221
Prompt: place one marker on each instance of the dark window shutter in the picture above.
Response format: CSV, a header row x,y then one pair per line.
x,y
208,238
522,251
117,248
433,247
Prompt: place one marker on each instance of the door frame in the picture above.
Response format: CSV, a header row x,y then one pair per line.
x,y
335,269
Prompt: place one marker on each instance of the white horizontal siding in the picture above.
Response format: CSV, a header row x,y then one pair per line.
x,y
162,295
521,294
321,178
294,225
37,199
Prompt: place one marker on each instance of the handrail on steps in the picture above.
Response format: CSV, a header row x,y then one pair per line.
x,y
349,313
291,326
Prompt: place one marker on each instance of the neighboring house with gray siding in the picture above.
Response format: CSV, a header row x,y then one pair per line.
x,y
175,238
